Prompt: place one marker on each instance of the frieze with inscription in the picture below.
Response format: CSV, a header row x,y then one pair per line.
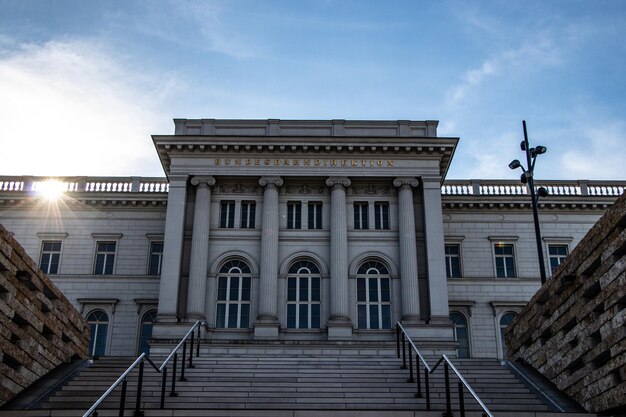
x,y
305,162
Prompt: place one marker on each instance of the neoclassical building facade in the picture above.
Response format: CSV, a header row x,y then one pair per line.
x,y
298,230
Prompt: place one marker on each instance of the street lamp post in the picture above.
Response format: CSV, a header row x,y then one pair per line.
x,y
528,179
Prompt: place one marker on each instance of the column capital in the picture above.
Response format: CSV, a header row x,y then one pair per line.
x,y
431,182
338,181
271,181
203,181
401,182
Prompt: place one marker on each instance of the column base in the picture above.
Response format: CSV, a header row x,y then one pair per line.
x,y
266,328
339,328
167,318
412,321
193,317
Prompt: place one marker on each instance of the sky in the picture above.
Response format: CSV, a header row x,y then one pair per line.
x,y
83,84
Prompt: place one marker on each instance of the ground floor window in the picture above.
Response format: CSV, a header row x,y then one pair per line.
x,y
505,320
461,334
98,322
233,295
303,296
145,333
373,296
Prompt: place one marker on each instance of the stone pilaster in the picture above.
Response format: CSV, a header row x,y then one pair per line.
x,y
172,250
433,224
267,324
339,324
196,291
408,250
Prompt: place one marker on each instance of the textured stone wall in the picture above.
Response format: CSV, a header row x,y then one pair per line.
x,y
573,330
39,328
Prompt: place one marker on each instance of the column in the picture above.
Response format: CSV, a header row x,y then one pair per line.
x,y
267,324
172,250
433,223
339,324
196,291
408,250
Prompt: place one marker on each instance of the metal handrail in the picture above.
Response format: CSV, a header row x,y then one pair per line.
x,y
444,359
139,360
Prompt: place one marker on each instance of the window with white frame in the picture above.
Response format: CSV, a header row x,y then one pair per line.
x,y
98,322
50,256
504,254
233,295
303,296
105,257
156,258
248,214
461,334
294,215
360,215
373,296
145,332
314,214
557,254
453,260
381,215
227,214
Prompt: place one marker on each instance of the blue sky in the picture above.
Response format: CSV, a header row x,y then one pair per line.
x,y
83,84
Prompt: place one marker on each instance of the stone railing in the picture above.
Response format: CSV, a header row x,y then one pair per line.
x,y
573,329
512,188
39,328
86,184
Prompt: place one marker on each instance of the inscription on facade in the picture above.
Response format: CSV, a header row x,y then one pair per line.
x,y
306,162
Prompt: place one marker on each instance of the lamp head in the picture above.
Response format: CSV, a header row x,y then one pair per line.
x,y
540,149
515,164
523,179
522,145
542,192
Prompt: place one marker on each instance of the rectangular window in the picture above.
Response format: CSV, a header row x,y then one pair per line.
x,y
360,216
294,215
248,213
105,258
557,254
381,214
315,214
156,257
453,260
227,214
50,256
505,260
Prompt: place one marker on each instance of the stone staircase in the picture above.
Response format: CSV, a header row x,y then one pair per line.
x,y
294,381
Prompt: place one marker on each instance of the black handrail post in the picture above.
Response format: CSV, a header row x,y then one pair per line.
x,y
138,412
198,346
163,384
410,365
191,350
182,362
123,399
461,400
419,378
173,392
403,352
398,340
427,389
448,412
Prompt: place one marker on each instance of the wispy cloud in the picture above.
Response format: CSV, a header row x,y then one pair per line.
x,y
71,108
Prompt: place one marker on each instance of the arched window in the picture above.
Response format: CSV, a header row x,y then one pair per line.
x,y
461,334
505,320
233,295
99,325
145,332
303,296
373,296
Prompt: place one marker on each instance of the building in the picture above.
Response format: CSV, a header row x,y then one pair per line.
x,y
298,230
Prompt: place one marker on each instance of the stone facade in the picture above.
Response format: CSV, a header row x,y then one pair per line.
x,y
574,329
39,328
266,195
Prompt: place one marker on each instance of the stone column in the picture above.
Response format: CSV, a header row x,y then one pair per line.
x,y
408,250
433,224
267,324
339,324
196,291
172,250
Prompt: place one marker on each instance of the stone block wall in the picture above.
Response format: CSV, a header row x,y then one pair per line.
x,y
39,328
573,330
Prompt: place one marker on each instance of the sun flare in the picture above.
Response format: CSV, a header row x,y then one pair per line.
x,y
51,189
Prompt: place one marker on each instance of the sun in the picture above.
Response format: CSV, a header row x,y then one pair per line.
x,y
51,189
